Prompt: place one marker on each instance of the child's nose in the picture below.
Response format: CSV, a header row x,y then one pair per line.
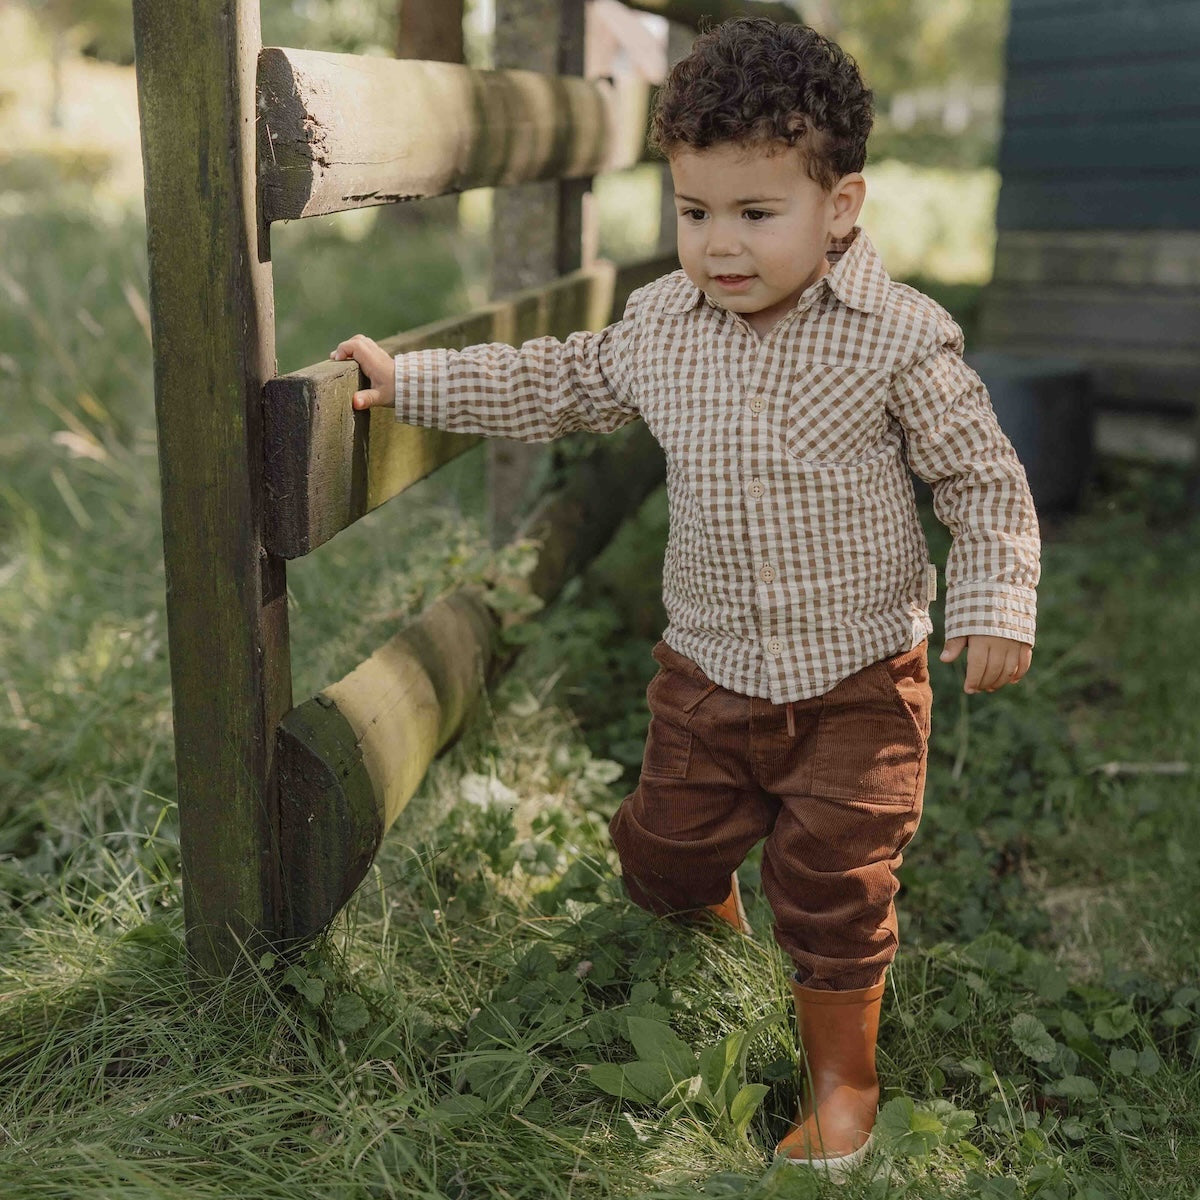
x,y
723,240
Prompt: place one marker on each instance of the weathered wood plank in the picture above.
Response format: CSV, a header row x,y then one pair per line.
x,y
1158,258
1079,8
1141,30
1110,144
1154,382
342,131
353,756
1162,200
326,465
1054,95
1104,316
1136,343
212,319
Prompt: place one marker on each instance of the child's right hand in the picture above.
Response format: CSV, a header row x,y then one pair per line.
x,y
377,365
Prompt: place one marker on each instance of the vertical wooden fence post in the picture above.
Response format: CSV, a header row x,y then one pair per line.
x,y
679,44
214,348
432,31
537,228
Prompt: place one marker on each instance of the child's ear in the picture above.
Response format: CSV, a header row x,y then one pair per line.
x,y
846,201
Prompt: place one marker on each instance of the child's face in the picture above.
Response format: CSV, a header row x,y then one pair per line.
x,y
754,228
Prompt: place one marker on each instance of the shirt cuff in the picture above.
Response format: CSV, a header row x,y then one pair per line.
x,y
419,389
993,609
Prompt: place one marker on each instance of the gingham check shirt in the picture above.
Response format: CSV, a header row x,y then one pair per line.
x,y
795,555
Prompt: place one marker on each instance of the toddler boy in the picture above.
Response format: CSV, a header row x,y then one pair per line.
x,y
791,385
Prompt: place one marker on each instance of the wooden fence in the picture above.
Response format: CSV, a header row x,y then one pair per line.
x,y
282,806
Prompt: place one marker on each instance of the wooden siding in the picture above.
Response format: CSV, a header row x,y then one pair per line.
x,y
1098,253
1101,121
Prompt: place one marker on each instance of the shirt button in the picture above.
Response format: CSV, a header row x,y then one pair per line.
x,y
757,404
756,489
775,647
767,574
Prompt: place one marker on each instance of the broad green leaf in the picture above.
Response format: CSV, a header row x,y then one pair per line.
x,y
610,1078
650,1079
784,1182
994,952
1075,1129
1077,1086
1048,981
1115,1023
294,977
456,1110
657,1043
977,1066
1148,1061
1123,1060
716,1063
1073,1028
736,1041
349,1014
999,1189
1174,1018
726,1184
1031,1037
745,1104
539,1112
905,1131
313,990
956,1122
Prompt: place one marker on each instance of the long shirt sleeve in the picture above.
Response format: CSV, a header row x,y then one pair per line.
x,y
536,392
955,444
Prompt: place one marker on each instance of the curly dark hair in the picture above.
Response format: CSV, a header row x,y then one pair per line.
x,y
751,80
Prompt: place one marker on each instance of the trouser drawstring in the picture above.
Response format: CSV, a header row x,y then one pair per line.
x,y
791,719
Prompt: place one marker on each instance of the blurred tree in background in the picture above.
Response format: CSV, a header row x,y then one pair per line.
x,y
937,69
100,28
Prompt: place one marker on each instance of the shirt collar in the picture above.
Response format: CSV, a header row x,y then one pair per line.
x,y
856,277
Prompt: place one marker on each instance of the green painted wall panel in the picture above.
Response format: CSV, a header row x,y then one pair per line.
x,y
1148,85
1066,202
1102,115
1105,147
1114,35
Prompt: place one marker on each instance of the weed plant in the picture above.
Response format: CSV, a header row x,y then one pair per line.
x,y
491,1017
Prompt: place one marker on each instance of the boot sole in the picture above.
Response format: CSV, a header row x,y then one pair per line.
x,y
836,1168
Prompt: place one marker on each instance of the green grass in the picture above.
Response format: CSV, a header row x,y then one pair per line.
x,y
1043,1018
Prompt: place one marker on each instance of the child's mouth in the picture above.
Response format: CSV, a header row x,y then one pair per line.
x,y
734,282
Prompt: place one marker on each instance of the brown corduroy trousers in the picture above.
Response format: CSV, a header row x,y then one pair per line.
x,y
833,783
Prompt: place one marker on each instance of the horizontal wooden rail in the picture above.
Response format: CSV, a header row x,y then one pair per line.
x,y
352,757
342,131
327,465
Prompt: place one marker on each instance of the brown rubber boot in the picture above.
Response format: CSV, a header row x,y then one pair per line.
x,y
730,909
837,1035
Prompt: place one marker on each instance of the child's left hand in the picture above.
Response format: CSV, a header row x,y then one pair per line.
x,y
991,661
376,364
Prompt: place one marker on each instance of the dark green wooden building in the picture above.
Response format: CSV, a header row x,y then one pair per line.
x,y
1098,254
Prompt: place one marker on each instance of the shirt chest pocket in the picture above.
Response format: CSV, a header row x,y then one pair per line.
x,y
836,414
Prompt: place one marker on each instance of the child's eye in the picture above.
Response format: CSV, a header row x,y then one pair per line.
x,y
693,214
756,214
